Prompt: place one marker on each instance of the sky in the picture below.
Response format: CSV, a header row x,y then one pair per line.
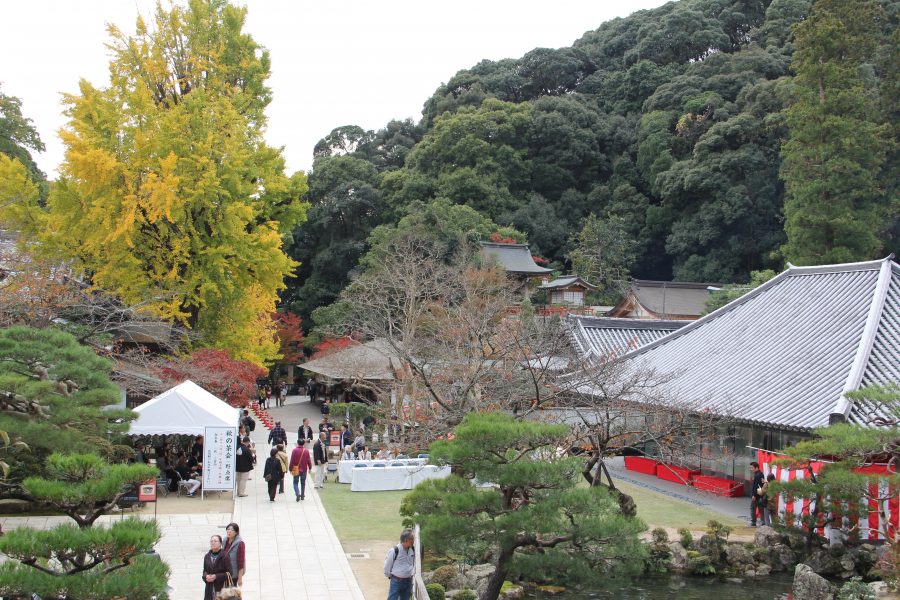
x,y
334,62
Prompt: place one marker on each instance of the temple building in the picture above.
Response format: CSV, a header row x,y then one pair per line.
x,y
667,300
779,361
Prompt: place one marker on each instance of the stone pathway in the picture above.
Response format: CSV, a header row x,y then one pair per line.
x,y
293,552
185,539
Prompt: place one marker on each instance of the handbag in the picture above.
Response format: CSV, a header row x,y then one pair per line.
x,y
295,470
229,590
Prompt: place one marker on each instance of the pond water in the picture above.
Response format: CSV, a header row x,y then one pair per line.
x,y
673,587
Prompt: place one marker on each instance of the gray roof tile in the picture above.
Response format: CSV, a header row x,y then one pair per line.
x,y
514,258
672,297
606,337
784,353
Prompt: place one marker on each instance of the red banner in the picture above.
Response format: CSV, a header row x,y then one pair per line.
x,y
883,516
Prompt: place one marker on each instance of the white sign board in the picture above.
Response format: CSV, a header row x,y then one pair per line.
x,y
219,446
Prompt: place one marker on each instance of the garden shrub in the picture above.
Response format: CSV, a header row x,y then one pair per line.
x,y
445,576
435,591
465,594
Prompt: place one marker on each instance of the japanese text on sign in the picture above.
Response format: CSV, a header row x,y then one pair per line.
x,y
219,445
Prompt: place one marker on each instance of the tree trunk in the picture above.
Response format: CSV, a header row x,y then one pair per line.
x,y
492,592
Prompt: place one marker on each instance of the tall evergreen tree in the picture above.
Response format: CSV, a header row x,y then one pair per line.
x,y
835,206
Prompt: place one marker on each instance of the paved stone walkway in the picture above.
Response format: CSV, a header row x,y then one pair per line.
x,y
293,552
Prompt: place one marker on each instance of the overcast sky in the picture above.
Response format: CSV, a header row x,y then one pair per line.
x,y
334,62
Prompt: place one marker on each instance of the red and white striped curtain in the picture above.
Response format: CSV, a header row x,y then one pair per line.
x,y
882,515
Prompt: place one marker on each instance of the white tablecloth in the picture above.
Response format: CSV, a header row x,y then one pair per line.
x,y
346,467
371,479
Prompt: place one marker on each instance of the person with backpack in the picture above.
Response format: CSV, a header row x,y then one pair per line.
x,y
400,566
248,421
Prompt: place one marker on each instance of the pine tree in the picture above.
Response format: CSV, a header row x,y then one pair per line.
x,y
534,518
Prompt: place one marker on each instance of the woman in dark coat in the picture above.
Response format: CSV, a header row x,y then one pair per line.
x,y
273,473
215,567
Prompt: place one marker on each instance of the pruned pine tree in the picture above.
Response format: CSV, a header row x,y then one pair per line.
x,y
532,517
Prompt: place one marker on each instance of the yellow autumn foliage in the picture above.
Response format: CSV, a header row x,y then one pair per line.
x,y
168,195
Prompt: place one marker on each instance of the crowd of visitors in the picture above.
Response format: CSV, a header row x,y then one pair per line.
x,y
180,466
265,392
224,564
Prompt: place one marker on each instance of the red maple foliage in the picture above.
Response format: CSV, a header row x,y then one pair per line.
x,y
498,239
290,336
332,345
539,259
216,372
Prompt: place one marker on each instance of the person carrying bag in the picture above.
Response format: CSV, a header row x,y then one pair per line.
x,y
229,591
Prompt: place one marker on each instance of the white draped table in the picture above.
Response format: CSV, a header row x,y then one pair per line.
x,y
347,467
371,479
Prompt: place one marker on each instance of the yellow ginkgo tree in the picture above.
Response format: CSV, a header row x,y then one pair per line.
x,y
168,194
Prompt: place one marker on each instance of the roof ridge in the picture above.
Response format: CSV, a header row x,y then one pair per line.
x,y
626,323
684,284
791,271
504,245
868,265
867,339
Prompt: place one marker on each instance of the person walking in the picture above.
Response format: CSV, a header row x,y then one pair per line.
x,y
320,458
282,457
244,460
311,389
278,435
282,393
305,432
400,566
757,493
300,464
272,473
261,396
216,568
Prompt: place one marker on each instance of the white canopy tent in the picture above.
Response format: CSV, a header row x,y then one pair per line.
x,y
186,409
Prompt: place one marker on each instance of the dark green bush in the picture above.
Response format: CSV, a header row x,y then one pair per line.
x,y
435,591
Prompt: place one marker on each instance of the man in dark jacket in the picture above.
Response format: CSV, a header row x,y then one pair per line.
x,y
320,458
757,500
305,432
247,421
244,460
346,436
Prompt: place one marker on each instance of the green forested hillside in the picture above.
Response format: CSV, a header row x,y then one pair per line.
x,y
674,119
